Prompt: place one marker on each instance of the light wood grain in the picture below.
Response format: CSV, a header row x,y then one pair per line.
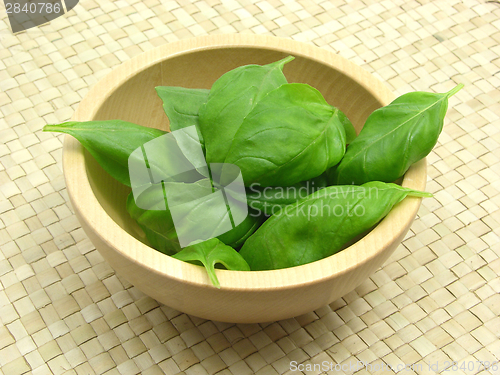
x,y
128,93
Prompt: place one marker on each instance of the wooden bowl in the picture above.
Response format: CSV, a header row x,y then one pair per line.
x,y
128,93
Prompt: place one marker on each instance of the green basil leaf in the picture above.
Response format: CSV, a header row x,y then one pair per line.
x,y
182,105
321,224
270,200
231,98
152,214
110,142
350,132
291,135
393,138
237,236
196,205
156,222
211,252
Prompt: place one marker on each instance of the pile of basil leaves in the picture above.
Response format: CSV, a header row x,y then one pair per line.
x,y
285,138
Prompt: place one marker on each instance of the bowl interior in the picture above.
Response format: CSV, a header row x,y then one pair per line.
x,y
135,100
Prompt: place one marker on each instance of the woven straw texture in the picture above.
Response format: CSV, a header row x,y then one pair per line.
x,y
64,311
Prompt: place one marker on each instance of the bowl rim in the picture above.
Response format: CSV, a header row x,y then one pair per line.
x,y
93,214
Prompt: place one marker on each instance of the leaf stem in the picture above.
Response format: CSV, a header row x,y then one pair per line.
x,y
65,126
420,194
286,60
53,128
454,90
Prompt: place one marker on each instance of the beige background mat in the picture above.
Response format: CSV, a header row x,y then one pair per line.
x,y
64,311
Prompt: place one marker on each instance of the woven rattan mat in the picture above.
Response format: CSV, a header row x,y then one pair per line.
x,y
436,300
